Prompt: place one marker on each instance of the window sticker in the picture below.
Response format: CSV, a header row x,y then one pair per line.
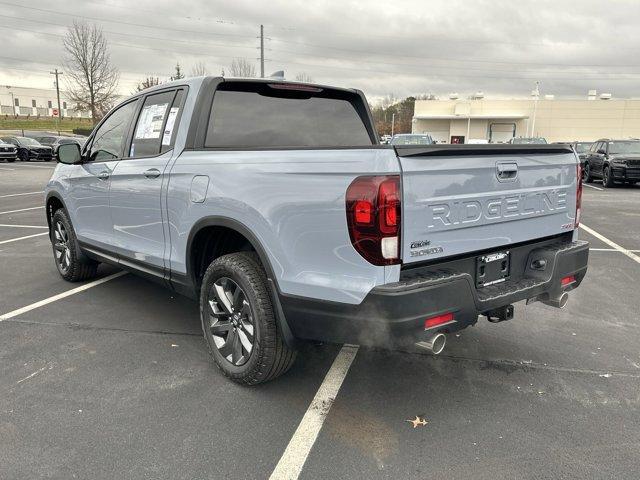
x,y
171,121
150,122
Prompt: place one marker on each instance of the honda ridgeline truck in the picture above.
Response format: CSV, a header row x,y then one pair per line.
x,y
274,204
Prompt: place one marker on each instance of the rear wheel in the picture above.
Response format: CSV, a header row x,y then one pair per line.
x,y
239,323
607,178
71,263
11,160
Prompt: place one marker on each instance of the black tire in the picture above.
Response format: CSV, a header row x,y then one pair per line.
x,y
11,160
607,178
269,356
586,173
71,263
23,156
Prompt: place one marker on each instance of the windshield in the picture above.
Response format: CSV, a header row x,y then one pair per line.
x,y
582,147
411,140
631,146
28,141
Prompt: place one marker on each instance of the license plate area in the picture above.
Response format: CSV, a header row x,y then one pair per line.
x,y
492,268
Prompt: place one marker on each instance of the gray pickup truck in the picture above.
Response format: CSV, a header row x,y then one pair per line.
x,y
274,204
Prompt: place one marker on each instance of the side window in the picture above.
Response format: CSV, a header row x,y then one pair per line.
x,y
108,142
149,132
173,119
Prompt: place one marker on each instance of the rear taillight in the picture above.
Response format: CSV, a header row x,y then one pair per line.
x,y
578,194
373,218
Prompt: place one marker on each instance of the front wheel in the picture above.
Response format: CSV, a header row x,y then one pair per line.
x,y
607,178
239,323
586,173
23,156
70,261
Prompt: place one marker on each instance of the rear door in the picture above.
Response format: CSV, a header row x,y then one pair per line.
x,y
137,181
463,199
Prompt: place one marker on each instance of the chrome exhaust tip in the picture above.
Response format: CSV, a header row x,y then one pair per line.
x,y
558,302
435,344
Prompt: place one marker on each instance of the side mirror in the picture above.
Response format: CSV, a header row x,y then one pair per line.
x,y
601,151
69,153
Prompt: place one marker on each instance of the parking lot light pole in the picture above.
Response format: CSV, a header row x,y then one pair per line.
x,y
393,123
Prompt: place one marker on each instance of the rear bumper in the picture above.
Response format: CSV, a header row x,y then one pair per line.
x,y
394,314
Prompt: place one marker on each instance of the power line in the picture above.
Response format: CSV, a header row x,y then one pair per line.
x,y
120,22
226,45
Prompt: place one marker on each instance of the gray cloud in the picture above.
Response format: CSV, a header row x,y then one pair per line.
x,y
411,47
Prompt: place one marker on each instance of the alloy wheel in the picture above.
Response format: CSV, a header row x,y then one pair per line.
x,y
230,321
61,247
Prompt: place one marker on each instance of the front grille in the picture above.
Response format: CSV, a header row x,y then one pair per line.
x,y
633,173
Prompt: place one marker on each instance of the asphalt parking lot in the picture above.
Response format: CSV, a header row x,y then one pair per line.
x,y
115,381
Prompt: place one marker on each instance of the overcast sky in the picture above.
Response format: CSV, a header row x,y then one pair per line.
x,y
382,47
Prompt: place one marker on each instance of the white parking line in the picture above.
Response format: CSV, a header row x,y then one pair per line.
x,y
51,167
20,194
60,296
296,453
591,186
20,226
628,253
7,169
21,210
610,250
23,238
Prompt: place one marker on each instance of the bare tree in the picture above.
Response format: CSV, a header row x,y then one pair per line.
x,y
304,77
199,70
178,75
147,83
92,79
240,67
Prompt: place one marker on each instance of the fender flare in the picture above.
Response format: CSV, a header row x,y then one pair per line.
x,y
58,197
232,224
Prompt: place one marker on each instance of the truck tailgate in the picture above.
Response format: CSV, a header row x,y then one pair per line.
x,y
465,198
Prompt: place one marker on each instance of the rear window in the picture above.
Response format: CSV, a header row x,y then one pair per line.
x,y
259,115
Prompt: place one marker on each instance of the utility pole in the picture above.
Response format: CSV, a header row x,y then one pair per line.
x,y
393,123
536,95
261,51
57,73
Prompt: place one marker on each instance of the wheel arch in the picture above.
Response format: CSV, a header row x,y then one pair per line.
x,y
53,203
211,223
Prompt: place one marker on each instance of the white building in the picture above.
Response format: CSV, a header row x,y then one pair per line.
x,y
36,102
457,120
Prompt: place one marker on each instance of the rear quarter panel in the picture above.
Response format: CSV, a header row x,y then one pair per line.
x,y
293,201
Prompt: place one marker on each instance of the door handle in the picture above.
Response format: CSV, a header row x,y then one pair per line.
x,y
507,171
152,173
104,175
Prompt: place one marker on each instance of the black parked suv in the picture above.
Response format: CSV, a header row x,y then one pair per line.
x,y
54,142
30,149
613,161
8,152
